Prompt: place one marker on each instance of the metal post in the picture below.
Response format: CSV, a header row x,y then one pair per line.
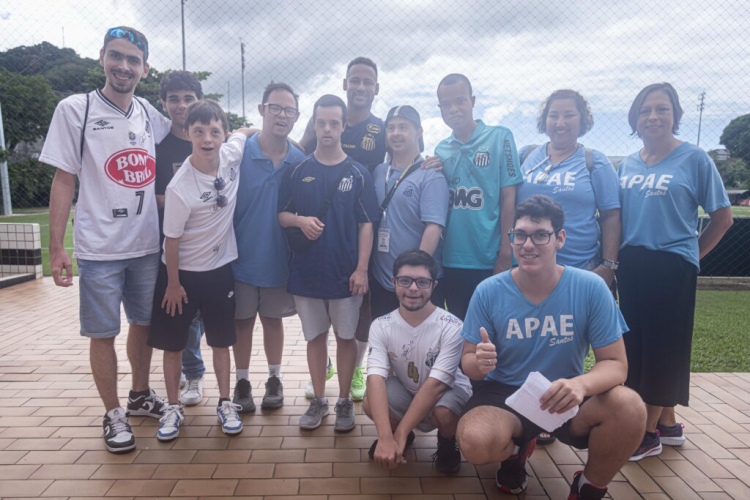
x,y
7,207
702,97
182,12
242,49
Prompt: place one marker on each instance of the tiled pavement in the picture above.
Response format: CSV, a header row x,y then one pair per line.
x,y
50,444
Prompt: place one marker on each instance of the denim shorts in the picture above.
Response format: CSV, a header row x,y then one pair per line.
x,y
104,285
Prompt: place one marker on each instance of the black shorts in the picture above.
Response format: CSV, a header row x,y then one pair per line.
x,y
491,393
211,293
383,301
657,300
459,286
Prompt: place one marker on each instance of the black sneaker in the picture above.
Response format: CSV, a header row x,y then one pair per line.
x,y
274,397
243,396
512,477
447,458
118,436
146,405
409,440
587,491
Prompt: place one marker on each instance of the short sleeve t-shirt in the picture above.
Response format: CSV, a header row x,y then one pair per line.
x,y
256,218
431,350
420,198
660,203
363,142
552,337
170,155
476,171
205,230
116,215
579,192
323,270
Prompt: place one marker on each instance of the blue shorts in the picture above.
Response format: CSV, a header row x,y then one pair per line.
x,y
104,285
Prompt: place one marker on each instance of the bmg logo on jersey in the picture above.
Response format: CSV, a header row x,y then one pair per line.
x,y
132,168
463,197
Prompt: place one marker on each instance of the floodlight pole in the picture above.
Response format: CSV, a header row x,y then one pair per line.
x,y
182,13
701,105
7,208
242,50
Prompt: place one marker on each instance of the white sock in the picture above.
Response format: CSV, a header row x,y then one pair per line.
x,y
361,351
342,400
585,480
324,401
274,371
516,449
243,374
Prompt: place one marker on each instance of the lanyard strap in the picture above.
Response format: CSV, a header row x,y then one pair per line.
x,y
408,170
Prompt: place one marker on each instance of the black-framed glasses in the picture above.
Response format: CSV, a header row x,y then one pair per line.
x,y
221,200
275,109
539,238
406,281
135,39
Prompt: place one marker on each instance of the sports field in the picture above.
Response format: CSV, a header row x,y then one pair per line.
x,y
42,218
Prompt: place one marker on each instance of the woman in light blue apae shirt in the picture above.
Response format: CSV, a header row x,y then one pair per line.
x,y
661,188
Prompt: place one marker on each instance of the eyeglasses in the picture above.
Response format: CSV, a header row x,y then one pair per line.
x,y
136,40
406,281
275,109
518,238
221,200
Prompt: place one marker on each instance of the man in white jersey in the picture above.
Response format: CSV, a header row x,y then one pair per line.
x,y
106,138
543,317
413,380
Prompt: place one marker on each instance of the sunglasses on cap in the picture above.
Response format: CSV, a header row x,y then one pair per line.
x,y
135,39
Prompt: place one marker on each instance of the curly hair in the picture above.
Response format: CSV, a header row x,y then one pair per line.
x,y
587,119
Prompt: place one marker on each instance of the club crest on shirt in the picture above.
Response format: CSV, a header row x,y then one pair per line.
x,y
408,192
482,157
131,136
368,143
430,358
346,184
216,248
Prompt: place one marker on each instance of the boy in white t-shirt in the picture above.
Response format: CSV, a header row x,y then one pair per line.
x,y
413,380
199,245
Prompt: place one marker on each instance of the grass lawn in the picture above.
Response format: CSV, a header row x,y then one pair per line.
x,y
743,212
29,217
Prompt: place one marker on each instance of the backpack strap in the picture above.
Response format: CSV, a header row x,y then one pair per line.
x,y
83,127
527,152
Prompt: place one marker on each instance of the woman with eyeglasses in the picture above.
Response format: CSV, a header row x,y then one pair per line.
x,y
581,180
662,186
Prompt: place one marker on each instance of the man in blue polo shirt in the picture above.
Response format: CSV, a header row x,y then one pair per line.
x,y
261,269
482,169
329,278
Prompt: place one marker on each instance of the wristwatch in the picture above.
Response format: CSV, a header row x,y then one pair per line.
x,y
611,264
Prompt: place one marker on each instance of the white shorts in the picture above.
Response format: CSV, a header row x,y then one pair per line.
x,y
269,302
317,316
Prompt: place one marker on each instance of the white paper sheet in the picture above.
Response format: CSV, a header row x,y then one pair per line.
x,y
526,402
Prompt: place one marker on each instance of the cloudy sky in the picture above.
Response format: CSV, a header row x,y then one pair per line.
x,y
515,52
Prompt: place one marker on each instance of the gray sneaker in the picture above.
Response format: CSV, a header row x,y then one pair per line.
x,y
274,397
313,417
243,396
344,416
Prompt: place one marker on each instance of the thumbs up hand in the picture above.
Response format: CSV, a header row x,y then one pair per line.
x,y
486,354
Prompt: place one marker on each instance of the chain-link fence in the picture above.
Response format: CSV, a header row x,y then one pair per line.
x,y
515,53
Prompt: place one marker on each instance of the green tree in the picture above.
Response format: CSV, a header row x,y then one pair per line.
x,y
734,172
736,137
28,103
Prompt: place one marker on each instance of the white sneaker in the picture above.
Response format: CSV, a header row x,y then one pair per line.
x,y
183,380
231,423
169,424
192,393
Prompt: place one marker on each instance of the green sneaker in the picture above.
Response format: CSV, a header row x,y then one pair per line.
x,y
309,391
358,384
